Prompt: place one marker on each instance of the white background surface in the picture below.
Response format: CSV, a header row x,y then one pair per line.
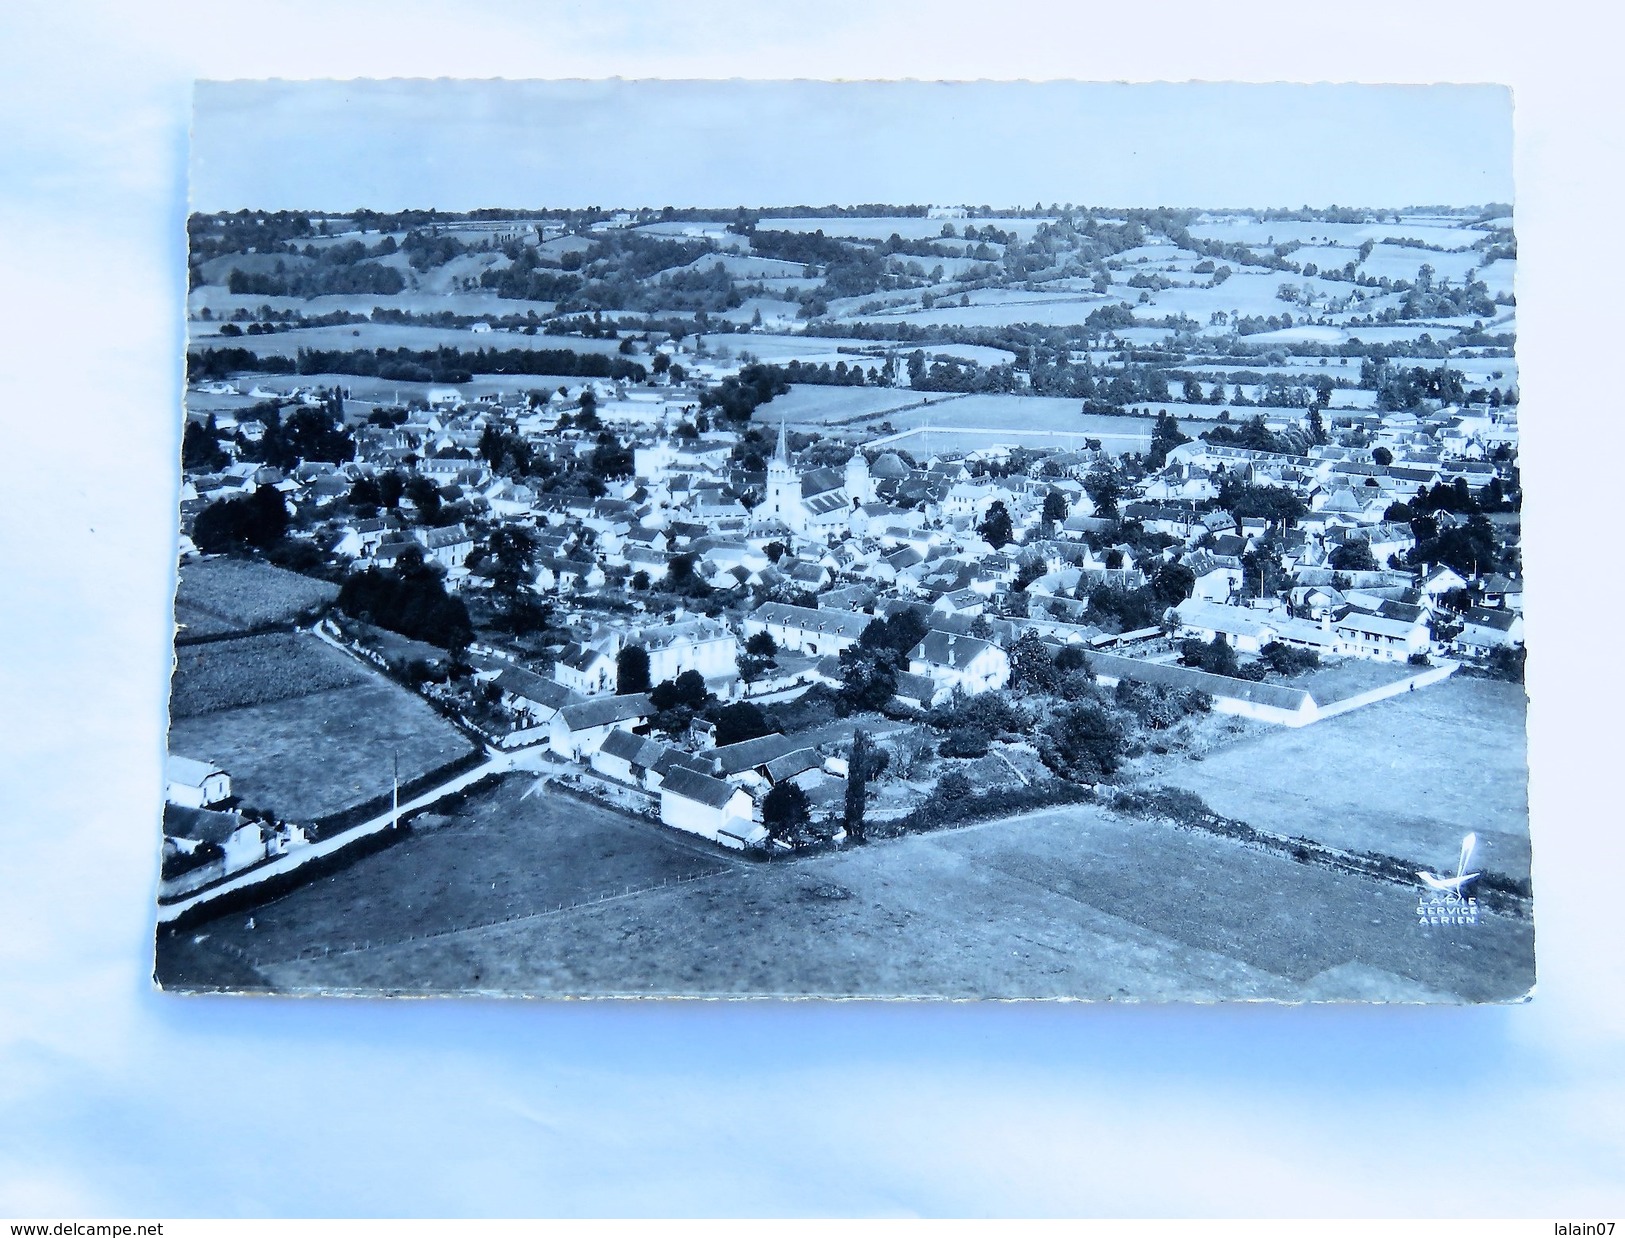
x,y
118,1100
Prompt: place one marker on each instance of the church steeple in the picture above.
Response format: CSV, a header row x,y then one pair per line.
x,y
783,486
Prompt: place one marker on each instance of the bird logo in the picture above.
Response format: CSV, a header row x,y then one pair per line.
x,y
1452,887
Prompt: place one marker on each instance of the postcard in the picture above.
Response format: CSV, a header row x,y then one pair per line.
x,y
849,540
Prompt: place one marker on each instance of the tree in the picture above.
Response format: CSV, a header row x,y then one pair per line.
x,y
1215,656
1082,742
858,760
631,670
1171,584
1288,660
785,813
1073,660
898,634
762,645
1353,555
425,496
200,447
1055,507
307,434
1032,669
1164,438
870,668
410,600
1507,664
997,529
687,691
1104,490
682,578
258,521
752,668
610,458
1382,456
967,742
511,551
511,554
741,721
868,677
1317,426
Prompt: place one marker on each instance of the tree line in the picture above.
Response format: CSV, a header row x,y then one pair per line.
x,y
438,365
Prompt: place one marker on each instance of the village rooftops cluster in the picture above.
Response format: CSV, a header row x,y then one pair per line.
x,y
698,554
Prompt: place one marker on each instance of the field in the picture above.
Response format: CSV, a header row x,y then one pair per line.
x,y
1246,230
910,228
395,335
1406,777
1498,276
509,852
222,303
255,670
805,405
1055,311
1487,371
1250,291
774,312
314,755
219,595
782,349
744,267
1038,420
1337,679
1064,903
360,389
1389,335
1403,262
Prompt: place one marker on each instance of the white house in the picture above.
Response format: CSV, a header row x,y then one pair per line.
x,y
531,699
806,629
1218,577
577,731
567,576
1241,628
1381,638
1484,629
580,668
966,662
195,784
698,644
627,757
202,846
709,807
449,546
1442,580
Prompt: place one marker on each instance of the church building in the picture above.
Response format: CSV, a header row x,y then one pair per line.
x,y
818,502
